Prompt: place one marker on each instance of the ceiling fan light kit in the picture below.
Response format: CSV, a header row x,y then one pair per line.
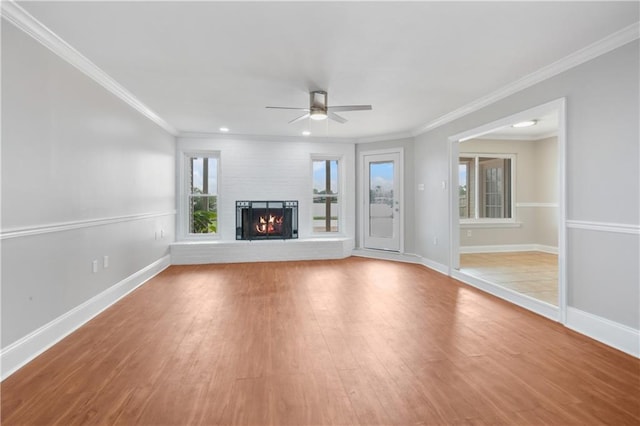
x,y
319,110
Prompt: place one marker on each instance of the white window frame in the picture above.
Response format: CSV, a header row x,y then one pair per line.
x,y
183,192
341,192
477,220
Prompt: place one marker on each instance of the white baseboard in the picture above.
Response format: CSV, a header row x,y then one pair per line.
x,y
616,335
401,257
19,353
539,307
508,248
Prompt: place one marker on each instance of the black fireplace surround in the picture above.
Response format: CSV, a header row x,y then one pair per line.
x,y
266,220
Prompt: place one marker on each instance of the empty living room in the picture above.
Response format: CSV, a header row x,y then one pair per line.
x,y
320,213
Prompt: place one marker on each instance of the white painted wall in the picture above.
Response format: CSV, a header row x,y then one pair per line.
x,y
536,185
83,176
253,168
603,180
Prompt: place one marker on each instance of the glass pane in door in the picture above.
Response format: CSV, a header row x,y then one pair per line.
x,y
381,199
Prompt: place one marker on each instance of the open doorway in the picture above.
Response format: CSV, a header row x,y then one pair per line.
x,y
508,208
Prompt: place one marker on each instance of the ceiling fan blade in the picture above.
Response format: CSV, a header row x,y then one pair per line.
x,y
302,117
336,117
297,109
349,108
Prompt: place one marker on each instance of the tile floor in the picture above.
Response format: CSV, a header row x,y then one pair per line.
x,y
532,273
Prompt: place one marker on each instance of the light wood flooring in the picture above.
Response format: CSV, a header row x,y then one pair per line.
x,y
532,273
353,341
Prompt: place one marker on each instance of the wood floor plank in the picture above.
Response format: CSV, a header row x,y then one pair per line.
x,y
340,342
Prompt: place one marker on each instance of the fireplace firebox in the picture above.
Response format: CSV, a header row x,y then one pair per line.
x,y
266,220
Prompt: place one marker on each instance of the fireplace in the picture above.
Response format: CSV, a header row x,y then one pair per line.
x,y
266,220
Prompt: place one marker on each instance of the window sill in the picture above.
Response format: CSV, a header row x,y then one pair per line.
x,y
467,225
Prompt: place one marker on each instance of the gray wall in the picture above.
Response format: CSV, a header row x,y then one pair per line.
x,y
536,181
603,181
73,153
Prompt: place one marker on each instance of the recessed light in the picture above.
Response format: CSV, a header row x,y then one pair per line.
x,y
527,123
306,133
224,129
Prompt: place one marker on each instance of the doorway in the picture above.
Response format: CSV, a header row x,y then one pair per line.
x,y
508,211
382,207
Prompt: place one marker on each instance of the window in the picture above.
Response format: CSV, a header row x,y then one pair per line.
x,y
202,194
326,197
485,186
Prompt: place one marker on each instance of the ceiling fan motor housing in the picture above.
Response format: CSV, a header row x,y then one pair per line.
x,y
318,105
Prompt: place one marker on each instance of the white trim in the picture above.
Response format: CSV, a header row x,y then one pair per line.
x,y
261,138
542,308
401,257
183,191
553,205
605,45
342,210
38,31
620,228
387,137
489,224
505,137
361,198
77,224
506,248
19,353
611,333
558,105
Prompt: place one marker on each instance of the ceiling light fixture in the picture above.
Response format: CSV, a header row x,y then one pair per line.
x,y
527,123
318,114
306,133
224,129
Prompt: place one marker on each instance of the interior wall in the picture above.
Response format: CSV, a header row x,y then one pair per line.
x,y
83,176
408,181
536,194
603,180
253,168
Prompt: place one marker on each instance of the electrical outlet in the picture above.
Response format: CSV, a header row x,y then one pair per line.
x,y
435,241
469,233
105,262
94,266
421,187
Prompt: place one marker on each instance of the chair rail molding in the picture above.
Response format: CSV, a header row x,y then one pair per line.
x,y
77,224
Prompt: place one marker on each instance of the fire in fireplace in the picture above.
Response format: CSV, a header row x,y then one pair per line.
x,y
264,220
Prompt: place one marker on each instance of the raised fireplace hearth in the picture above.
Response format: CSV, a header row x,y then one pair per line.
x,y
266,220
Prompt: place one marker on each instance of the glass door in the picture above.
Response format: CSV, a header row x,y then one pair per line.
x,y
382,204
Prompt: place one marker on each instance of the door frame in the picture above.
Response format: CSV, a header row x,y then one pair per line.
x,y
559,313
363,190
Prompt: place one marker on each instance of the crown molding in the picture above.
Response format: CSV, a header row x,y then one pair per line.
x,y
605,45
262,138
22,19
387,137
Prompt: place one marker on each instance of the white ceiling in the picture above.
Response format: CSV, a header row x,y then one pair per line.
x,y
203,65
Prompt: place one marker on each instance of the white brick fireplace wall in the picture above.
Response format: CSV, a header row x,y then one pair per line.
x,y
265,168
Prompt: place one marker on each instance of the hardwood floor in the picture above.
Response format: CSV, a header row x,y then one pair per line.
x,y
530,272
354,341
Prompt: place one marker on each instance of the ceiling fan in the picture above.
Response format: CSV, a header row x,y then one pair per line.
x,y
319,110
